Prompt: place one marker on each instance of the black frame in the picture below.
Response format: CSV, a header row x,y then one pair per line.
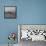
x,y
10,17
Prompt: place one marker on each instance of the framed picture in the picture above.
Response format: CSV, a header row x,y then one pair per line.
x,y
33,32
10,12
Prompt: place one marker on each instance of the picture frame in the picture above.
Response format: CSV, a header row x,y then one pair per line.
x,y
10,12
33,31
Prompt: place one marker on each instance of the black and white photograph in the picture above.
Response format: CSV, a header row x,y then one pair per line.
x,y
10,12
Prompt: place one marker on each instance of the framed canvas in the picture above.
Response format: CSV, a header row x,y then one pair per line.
x,y
10,12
